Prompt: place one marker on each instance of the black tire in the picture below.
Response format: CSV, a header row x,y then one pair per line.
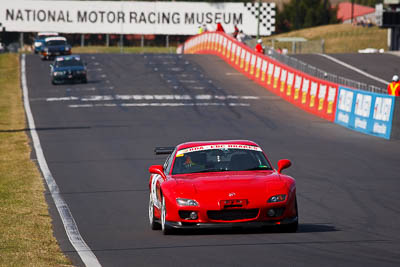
x,y
292,227
167,230
153,224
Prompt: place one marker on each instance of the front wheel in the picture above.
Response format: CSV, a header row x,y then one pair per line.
x,y
292,227
167,230
153,224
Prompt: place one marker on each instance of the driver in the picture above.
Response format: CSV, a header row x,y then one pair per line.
x,y
195,159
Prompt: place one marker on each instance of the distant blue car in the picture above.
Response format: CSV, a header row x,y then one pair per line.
x,y
54,46
68,69
39,41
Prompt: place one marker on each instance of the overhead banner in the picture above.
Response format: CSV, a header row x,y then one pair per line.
x,y
119,17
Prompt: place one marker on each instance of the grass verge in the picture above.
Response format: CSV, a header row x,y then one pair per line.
x,y
128,49
339,38
26,236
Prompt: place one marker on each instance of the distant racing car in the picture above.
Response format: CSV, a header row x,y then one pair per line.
x,y
220,184
54,46
40,40
68,69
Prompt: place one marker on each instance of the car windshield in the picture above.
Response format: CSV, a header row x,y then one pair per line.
x,y
219,160
56,42
68,63
44,36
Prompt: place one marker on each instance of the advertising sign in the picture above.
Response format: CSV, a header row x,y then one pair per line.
x,y
135,17
366,112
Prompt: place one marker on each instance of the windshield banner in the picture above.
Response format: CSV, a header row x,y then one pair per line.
x,y
210,147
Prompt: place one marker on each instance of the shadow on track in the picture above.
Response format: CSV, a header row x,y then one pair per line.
x,y
303,228
45,129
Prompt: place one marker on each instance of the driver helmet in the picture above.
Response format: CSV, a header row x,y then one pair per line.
x,y
395,78
259,41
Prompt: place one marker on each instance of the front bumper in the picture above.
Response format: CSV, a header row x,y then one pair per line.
x,y
52,54
69,78
186,225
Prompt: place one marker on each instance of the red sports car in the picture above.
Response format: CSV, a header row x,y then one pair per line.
x,y
220,184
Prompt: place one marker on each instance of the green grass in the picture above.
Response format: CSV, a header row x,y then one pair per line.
x,y
26,236
128,49
339,38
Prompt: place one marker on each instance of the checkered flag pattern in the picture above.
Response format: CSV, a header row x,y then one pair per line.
x,y
267,15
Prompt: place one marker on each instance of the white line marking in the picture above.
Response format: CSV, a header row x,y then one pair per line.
x,y
65,98
355,69
161,105
148,97
86,254
233,73
95,69
176,69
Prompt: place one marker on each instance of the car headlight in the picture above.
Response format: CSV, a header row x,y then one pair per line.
x,y
67,48
37,44
277,198
186,202
58,73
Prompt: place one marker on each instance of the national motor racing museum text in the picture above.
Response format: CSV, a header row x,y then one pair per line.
x,y
41,15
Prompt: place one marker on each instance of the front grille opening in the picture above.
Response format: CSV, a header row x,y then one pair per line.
x,y
232,215
233,206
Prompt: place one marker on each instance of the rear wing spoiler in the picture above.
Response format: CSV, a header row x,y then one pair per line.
x,y
164,150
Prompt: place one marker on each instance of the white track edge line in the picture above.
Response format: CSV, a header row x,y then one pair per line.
x,y
355,69
86,254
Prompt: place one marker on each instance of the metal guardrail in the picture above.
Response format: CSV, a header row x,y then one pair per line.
x,y
316,72
319,73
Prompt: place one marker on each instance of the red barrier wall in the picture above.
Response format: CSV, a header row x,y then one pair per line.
x,y
306,92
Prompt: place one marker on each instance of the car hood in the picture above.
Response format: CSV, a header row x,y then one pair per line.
x,y
213,187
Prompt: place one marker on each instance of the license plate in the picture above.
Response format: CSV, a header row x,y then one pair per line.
x,y
233,203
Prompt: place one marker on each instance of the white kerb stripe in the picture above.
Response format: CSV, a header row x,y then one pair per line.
x,y
355,69
86,254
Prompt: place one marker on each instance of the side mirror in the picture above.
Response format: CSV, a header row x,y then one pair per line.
x,y
283,164
157,169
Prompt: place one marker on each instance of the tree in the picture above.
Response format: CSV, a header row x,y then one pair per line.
x,y
299,14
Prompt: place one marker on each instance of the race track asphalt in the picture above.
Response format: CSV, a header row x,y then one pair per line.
x,y
98,140
382,66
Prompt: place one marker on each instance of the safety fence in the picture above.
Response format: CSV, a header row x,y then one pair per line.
x,y
308,92
316,72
